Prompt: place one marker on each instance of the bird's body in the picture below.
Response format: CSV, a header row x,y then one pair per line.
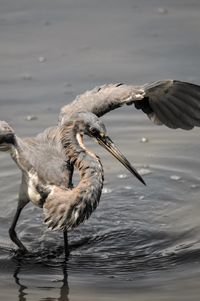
x,y
47,160
46,150
49,186
46,180
43,164
41,158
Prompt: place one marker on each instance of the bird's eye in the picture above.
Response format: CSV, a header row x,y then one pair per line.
x,y
94,131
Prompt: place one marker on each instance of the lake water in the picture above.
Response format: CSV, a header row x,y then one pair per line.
x,y
142,243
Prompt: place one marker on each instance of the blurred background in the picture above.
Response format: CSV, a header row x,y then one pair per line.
x,y
144,243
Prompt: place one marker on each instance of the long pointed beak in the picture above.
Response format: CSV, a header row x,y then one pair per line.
x,y
108,144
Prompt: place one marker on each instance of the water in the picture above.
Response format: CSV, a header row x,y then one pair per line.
x,y
142,243
129,247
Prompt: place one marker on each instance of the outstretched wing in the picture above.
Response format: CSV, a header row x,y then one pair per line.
x,y
173,103
102,99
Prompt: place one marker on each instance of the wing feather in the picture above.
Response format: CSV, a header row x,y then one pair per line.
x,y
163,113
176,104
173,103
191,112
187,119
102,100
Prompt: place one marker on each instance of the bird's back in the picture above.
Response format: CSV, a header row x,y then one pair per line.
x,y
46,155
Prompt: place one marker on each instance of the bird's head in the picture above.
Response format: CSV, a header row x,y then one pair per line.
x,y
7,136
89,124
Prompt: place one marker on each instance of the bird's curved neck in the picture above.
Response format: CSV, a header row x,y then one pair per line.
x,y
72,207
89,166
84,160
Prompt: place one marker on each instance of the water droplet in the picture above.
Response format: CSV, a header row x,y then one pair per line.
x,y
41,59
175,177
118,222
128,187
31,117
104,256
144,171
122,176
106,190
194,186
144,140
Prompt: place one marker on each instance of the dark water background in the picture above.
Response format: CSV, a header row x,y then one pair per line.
x,y
142,243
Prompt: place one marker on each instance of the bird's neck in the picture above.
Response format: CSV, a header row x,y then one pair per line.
x,y
19,154
88,164
65,209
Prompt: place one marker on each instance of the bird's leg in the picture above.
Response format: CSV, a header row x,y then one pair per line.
x,y
12,232
66,245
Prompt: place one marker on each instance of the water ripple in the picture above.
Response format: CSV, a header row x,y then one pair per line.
x,y
135,231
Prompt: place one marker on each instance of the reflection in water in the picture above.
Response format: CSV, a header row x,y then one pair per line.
x,y
64,289
22,294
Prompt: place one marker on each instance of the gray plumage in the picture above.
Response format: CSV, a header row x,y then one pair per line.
x,y
45,173
68,208
47,160
173,103
43,163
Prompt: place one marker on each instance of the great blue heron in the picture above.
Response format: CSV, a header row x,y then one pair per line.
x,y
44,181
173,103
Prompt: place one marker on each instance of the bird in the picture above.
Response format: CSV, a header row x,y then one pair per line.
x,y
44,183
174,103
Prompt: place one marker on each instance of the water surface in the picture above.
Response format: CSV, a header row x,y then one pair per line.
x,y
142,243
